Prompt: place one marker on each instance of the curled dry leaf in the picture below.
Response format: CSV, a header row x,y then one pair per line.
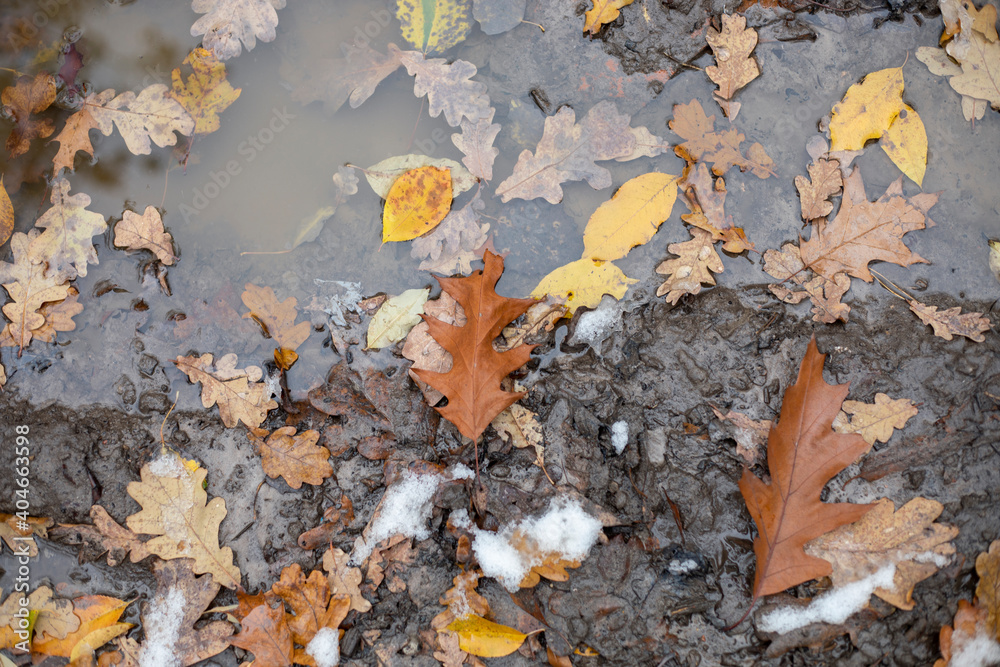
x,y
603,11
631,217
184,523
28,96
734,66
436,25
874,422
722,149
448,86
226,23
706,200
825,180
696,262
238,392
583,283
276,318
907,538
949,323
804,453
417,201
145,232
206,93
296,458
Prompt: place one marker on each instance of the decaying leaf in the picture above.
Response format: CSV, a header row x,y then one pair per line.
x,y
867,110
296,458
484,638
118,540
786,265
382,175
353,78
734,66
65,245
960,645
696,262
29,288
905,142
750,435
6,214
264,632
26,97
184,523
145,232
74,137
568,151
388,558
803,453
433,26
276,317
451,247
450,653
54,616
448,86
396,317
949,323
603,11
476,143
312,607
825,180
345,184
874,421
152,116
521,426
722,149
417,201
206,93
865,232
988,588
538,319
344,579
181,599
631,217
99,624
583,283
907,538
706,200
240,395
473,383
498,16
424,351
226,23
461,600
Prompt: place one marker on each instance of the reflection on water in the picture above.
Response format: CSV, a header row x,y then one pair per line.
x,y
247,187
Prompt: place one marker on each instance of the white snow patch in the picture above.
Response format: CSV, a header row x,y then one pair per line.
x,y
685,566
596,325
835,606
324,647
619,436
162,625
930,557
405,509
167,464
982,651
462,471
565,531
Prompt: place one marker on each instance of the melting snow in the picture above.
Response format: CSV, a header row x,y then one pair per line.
x,y
325,647
162,625
619,436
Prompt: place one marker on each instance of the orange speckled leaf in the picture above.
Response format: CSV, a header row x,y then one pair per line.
x,y
417,201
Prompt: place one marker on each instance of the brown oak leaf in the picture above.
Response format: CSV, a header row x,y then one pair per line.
x,y
476,143
706,200
26,97
722,149
803,454
969,626
239,394
461,600
825,180
58,316
734,67
264,632
65,244
473,383
952,322
145,232
388,559
786,265
988,588
277,318
29,288
696,262
74,137
312,606
296,458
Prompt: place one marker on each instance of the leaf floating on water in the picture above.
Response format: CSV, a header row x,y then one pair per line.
x,y
66,243
26,97
734,67
696,262
583,283
448,86
29,289
631,217
602,12
786,265
396,317
206,93
417,201
277,317
226,23
498,16
867,110
145,232
433,26
382,175
825,180
703,143
476,142
74,137
239,393
905,142
451,247
707,200
345,184
151,116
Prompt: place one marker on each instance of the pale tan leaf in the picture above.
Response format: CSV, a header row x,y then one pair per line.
x,y
278,317
696,262
952,322
145,232
874,421
65,244
237,391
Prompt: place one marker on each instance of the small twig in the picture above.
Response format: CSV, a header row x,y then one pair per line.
x,y
538,25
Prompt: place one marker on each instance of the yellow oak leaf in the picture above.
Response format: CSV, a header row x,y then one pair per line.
x,y
583,283
867,110
297,458
603,11
145,232
206,92
184,523
417,201
240,395
631,217
988,588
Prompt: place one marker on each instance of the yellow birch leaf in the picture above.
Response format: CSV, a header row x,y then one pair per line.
x,y
604,11
485,638
6,214
95,612
867,110
396,317
583,283
417,201
206,92
434,25
905,142
631,217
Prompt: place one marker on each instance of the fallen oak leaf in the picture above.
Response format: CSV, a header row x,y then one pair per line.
x,y
389,558
29,289
448,86
145,232
241,398
874,422
804,453
786,265
264,632
521,426
706,200
988,588
344,579
473,384
825,180
952,322
18,532
353,78
277,317
296,458
107,535
963,644
602,12
476,143
312,606
450,653
703,143
734,67
461,600
28,96
226,23
695,262
66,242
53,617
206,93
74,137
450,247
151,116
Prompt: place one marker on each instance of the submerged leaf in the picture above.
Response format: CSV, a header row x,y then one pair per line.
x,y
734,66
206,92
145,232
396,317
448,86
28,96
66,243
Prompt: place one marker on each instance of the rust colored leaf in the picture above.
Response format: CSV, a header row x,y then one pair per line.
x,y
907,538
865,231
988,589
825,180
74,137
696,262
278,317
803,454
26,97
388,559
310,602
952,322
722,149
265,633
969,626
473,383
145,232
296,458
734,67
